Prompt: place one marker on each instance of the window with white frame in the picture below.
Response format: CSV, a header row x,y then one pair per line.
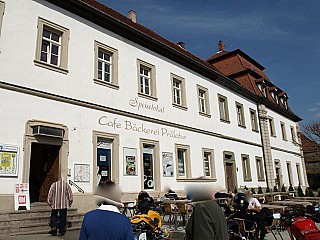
x,y
223,108
52,46
271,127
208,163
293,134
178,91
183,161
263,90
246,168
240,115
2,5
289,170
253,119
283,131
147,82
203,99
299,173
106,65
260,172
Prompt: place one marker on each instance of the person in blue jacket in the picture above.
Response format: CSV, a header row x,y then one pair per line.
x,y
106,222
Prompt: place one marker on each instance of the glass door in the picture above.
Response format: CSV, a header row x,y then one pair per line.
x,y
104,160
148,169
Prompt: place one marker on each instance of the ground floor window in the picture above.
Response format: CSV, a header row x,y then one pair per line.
x,y
246,167
208,163
299,173
260,173
289,173
183,161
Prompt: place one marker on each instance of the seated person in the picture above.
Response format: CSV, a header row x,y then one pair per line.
x,y
254,204
171,195
145,202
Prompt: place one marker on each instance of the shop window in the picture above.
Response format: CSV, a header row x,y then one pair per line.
x,y
52,46
146,80
106,65
260,173
183,161
208,163
223,108
246,167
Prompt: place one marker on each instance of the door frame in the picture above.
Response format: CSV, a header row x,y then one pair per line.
x,y
30,138
233,162
156,165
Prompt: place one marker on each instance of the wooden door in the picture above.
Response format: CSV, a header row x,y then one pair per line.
x,y
50,169
230,183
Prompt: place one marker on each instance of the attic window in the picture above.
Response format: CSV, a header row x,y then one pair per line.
x,y
285,103
262,88
276,98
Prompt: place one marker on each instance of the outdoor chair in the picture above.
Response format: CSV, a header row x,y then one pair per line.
x,y
275,226
168,212
249,232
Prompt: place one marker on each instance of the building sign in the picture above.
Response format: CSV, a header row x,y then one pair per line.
x,y
167,164
9,160
21,197
130,161
145,105
141,128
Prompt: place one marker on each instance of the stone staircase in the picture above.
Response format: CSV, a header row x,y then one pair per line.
x,y
35,221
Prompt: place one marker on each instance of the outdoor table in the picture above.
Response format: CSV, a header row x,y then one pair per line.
x,y
175,209
290,203
273,208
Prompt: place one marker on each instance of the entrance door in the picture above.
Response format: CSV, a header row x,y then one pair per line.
x,y
230,177
148,167
104,160
44,170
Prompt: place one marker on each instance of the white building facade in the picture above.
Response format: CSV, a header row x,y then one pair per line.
x,y
91,102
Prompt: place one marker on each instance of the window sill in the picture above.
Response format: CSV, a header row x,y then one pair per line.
x,y
50,67
261,180
196,179
106,84
224,120
153,98
255,130
242,126
180,107
205,114
274,136
248,180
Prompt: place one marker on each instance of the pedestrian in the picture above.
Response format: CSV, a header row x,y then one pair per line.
x,y
59,199
207,221
106,222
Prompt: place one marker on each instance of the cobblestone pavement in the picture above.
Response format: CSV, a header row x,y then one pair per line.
x,y
74,235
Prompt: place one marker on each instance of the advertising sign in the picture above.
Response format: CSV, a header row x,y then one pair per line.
x,y
21,197
167,164
9,160
130,161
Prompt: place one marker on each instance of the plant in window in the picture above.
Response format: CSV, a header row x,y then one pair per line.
x,y
275,188
283,188
260,190
309,193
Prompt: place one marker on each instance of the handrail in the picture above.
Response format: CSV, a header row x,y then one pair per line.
x,y
76,186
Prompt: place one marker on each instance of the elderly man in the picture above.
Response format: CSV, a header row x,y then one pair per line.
x,y
59,199
106,222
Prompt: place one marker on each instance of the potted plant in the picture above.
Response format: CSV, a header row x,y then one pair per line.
x,y
260,190
300,192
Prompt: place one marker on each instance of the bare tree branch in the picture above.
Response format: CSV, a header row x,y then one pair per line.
x,y
312,131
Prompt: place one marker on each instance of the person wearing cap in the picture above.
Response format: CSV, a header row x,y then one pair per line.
x,y
106,222
208,221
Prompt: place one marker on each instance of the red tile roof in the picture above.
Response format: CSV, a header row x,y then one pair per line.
x,y
121,18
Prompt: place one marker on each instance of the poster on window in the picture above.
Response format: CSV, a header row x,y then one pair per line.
x,y
81,172
9,160
130,161
167,164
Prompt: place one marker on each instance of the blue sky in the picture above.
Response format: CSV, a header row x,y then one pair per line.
x,y
283,35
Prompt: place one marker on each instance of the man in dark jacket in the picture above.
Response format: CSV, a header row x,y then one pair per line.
x,y
106,222
207,221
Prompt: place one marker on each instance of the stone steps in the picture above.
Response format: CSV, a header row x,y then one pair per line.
x,y
34,221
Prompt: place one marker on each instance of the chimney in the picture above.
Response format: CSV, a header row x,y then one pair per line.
x,y
132,16
182,45
220,46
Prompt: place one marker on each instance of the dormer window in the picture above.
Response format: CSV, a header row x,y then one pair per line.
x,y
276,98
285,103
262,88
